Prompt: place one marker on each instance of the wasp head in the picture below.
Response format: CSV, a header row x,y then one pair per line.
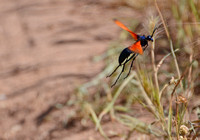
x,y
149,38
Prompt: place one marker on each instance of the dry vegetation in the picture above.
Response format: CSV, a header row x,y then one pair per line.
x,y
46,51
165,81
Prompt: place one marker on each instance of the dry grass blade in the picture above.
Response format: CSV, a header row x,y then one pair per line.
x,y
162,60
95,119
96,80
172,81
146,98
157,68
111,104
138,125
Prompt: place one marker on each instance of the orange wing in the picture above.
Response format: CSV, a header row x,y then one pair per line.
x,y
134,35
136,47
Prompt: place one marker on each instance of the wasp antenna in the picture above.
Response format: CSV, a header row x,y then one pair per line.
x,y
154,31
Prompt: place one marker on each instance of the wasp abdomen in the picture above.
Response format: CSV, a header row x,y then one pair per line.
x,y
124,54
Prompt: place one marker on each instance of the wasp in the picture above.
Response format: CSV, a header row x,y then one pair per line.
x,y
131,52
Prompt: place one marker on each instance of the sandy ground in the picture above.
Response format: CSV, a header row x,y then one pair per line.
x,y
46,51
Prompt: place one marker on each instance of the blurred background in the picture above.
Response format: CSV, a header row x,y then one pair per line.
x,y
55,55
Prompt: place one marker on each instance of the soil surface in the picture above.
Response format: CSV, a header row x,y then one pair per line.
x,y
46,52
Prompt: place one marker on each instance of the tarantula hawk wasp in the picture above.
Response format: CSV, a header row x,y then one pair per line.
x,y
135,49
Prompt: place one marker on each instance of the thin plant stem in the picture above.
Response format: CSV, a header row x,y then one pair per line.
x,y
154,66
176,121
170,41
170,103
147,99
175,61
190,77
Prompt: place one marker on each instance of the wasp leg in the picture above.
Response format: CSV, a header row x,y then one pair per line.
x,y
131,66
122,70
119,75
113,71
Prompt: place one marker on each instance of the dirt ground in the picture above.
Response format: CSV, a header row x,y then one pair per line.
x,y
46,52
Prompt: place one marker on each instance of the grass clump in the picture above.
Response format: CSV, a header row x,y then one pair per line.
x,y
164,94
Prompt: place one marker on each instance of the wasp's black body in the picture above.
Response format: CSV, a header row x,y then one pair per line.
x,y
123,55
